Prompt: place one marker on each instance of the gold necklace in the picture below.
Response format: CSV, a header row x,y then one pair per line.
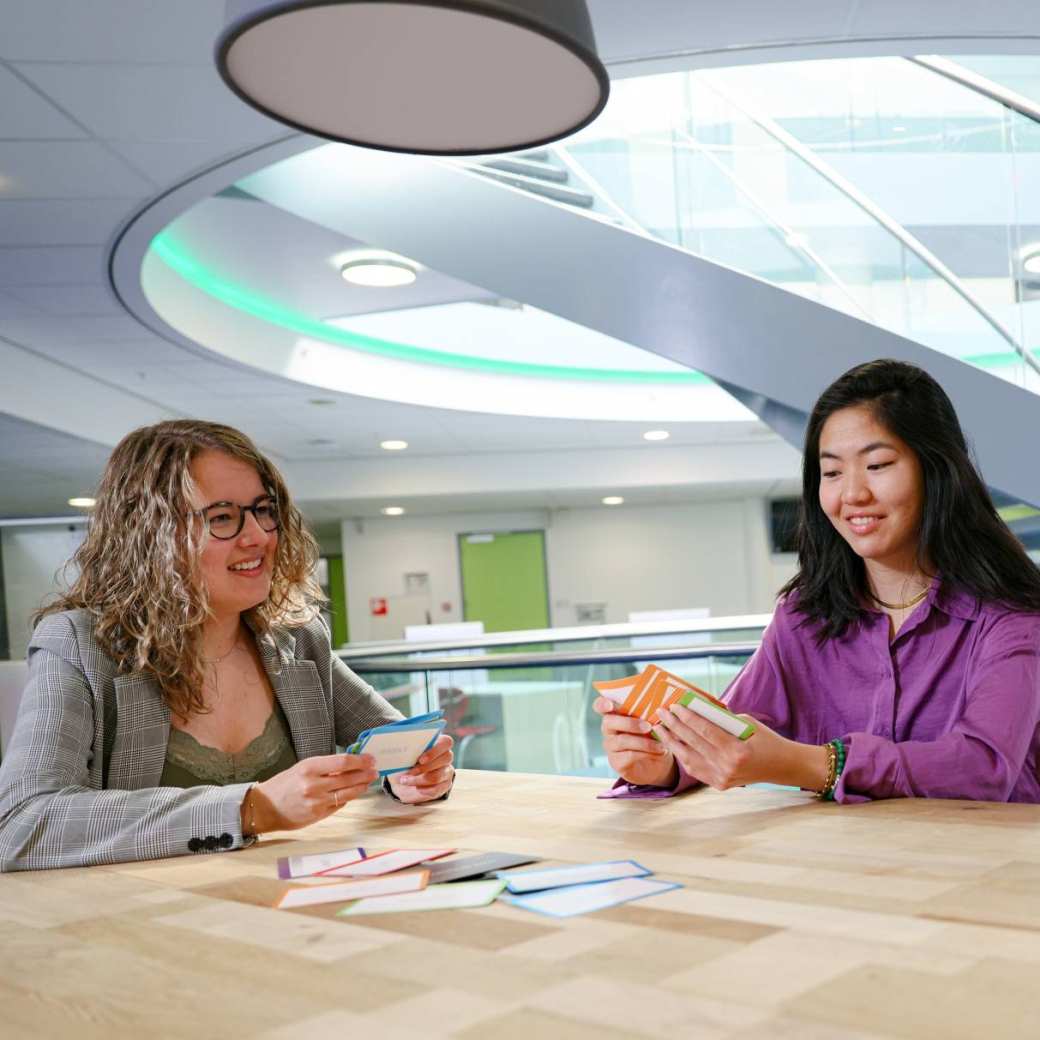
x,y
900,606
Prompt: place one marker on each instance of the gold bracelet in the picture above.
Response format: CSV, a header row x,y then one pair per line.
x,y
832,772
251,812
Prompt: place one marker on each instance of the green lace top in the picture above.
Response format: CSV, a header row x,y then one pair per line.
x,y
191,764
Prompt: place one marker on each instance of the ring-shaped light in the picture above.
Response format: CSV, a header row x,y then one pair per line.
x,y
439,77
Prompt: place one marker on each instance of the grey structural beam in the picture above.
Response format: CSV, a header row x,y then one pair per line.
x,y
741,331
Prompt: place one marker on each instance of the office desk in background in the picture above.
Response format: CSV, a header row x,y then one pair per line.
x,y
798,919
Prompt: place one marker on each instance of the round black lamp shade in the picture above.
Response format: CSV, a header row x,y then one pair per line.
x,y
431,76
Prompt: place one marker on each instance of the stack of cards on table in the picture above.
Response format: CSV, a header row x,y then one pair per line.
x,y
654,690
398,745
385,882
566,891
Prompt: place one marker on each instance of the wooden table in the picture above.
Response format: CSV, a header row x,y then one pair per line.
x,y
797,919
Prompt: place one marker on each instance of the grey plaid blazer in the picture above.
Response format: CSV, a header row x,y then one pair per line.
x,y
78,784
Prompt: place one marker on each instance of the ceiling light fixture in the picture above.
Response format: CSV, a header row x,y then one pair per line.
x,y
438,77
82,503
392,511
613,500
1031,262
656,435
393,445
374,271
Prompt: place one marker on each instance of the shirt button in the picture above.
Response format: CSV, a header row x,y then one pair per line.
x,y
210,842
226,841
195,844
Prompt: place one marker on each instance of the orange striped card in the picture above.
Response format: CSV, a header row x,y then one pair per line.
x,y
644,695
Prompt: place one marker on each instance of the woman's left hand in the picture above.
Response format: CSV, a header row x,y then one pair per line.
x,y
721,760
430,777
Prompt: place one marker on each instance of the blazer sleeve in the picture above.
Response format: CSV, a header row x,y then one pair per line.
x,y
51,816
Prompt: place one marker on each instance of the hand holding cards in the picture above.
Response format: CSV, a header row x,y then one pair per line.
x,y
654,690
397,746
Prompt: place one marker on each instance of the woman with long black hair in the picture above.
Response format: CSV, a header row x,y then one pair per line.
x,y
903,659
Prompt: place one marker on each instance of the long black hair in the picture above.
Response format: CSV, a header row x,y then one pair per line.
x,y
962,537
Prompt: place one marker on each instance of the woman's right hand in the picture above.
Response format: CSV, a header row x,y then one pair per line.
x,y
632,753
307,792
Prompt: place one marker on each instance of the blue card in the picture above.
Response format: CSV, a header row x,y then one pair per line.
x,y
397,746
583,899
584,873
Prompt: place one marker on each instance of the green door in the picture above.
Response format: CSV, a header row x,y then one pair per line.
x,y
503,580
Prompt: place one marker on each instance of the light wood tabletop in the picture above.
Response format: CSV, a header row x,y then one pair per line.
x,y
796,919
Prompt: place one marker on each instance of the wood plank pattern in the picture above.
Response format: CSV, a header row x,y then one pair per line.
x,y
796,919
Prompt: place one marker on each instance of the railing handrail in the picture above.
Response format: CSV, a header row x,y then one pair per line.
x,y
622,655
574,633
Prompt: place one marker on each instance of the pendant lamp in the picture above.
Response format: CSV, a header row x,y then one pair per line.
x,y
437,77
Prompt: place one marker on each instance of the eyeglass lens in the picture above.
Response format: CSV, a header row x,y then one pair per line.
x,y
227,519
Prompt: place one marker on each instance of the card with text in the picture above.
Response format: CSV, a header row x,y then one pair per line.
x,y
387,862
302,866
584,873
435,897
362,888
583,899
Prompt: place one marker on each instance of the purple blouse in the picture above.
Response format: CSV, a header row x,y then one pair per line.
x,y
949,709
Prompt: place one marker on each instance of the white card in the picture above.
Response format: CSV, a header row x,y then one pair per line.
x,y
302,866
722,719
554,877
581,899
452,896
398,749
348,890
387,862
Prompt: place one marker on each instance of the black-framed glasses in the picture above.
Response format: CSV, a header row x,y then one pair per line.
x,y
225,520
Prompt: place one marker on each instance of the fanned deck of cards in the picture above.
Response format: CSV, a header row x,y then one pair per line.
x,y
654,690
397,746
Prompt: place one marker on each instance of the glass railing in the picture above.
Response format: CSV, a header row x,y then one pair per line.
x,y
524,706
879,187
859,184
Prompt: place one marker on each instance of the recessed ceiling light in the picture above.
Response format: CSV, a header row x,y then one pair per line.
x,y
379,271
1031,264
393,445
613,500
321,401
320,442
392,511
82,503
656,435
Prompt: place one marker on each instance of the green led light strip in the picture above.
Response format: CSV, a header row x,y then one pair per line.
x,y
258,307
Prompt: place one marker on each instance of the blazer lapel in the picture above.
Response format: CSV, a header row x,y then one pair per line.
x,y
298,688
141,734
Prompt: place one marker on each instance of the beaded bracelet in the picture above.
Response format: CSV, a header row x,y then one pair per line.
x,y
835,767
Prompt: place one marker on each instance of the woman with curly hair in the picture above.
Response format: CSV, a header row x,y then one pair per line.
x,y
903,659
183,695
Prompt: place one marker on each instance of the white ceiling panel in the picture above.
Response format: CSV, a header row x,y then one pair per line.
x,y
169,161
152,102
66,170
67,222
51,265
12,309
70,300
25,114
945,17
73,337
110,30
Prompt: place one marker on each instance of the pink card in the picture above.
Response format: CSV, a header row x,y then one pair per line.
x,y
386,862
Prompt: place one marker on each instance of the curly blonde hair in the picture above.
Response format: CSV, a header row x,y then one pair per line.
x,y
138,567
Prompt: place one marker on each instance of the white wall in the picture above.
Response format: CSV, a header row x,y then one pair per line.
x,y
377,554
710,554
32,558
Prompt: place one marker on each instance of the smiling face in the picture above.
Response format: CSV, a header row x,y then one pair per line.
x,y
236,571
871,487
